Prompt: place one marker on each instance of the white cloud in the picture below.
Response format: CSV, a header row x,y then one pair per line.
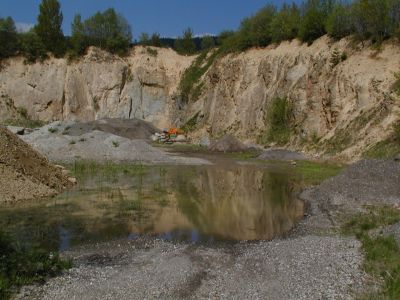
x,y
24,27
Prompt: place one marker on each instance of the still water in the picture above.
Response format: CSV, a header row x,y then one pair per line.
x,y
227,201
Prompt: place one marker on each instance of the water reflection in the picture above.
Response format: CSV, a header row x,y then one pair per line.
x,y
221,202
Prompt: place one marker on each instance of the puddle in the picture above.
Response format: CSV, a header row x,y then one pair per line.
x,y
202,203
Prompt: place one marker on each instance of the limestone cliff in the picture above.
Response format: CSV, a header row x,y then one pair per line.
x,y
345,107
142,85
341,107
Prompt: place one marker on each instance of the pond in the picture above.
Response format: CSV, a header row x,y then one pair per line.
x,y
229,201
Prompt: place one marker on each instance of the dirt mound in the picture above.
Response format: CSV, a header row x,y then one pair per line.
x,y
281,154
228,143
25,174
128,128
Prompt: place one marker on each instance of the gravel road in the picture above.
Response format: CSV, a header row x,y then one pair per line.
x,y
309,267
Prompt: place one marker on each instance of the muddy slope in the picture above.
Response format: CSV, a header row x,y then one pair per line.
x,y
24,173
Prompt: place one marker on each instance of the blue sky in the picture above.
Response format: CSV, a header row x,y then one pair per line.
x,y
167,17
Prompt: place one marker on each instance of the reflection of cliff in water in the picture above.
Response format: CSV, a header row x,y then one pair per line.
x,y
186,203
240,203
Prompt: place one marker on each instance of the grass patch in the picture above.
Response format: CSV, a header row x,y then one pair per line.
x,y
245,155
388,148
382,254
314,173
72,142
21,266
115,144
279,118
84,169
26,123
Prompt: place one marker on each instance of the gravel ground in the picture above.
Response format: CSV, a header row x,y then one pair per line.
x,y
99,146
308,267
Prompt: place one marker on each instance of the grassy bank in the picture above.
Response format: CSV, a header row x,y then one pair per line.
x,y
314,173
83,169
22,266
382,253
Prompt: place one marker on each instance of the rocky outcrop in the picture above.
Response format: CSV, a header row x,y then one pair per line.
x,y
341,108
141,85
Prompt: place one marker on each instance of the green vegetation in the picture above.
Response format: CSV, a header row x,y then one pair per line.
x,y
191,124
190,86
91,32
48,28
396,85
84,169
52,130
72,142
382,253
115,144
26,123
8,37
25,265
314,173
388,148
337,57
152,52
185,44
280,122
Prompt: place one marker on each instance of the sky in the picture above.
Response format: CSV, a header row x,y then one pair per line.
x,y
167,17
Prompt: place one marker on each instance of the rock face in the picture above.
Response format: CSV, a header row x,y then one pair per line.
x,y
343,94
346,107
99,85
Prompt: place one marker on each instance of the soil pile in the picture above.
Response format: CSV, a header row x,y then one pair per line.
x,y
24,173
128,128
228,143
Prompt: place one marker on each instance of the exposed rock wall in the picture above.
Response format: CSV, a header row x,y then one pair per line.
x,y
348,106
141,85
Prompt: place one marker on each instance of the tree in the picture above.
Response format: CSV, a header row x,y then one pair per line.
x,y
107,30
259,27
224,35
314,17
8,37
376,19
78,39
144,39
48,27
340,23
32,46
285,25
155,40
186,44
207,42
